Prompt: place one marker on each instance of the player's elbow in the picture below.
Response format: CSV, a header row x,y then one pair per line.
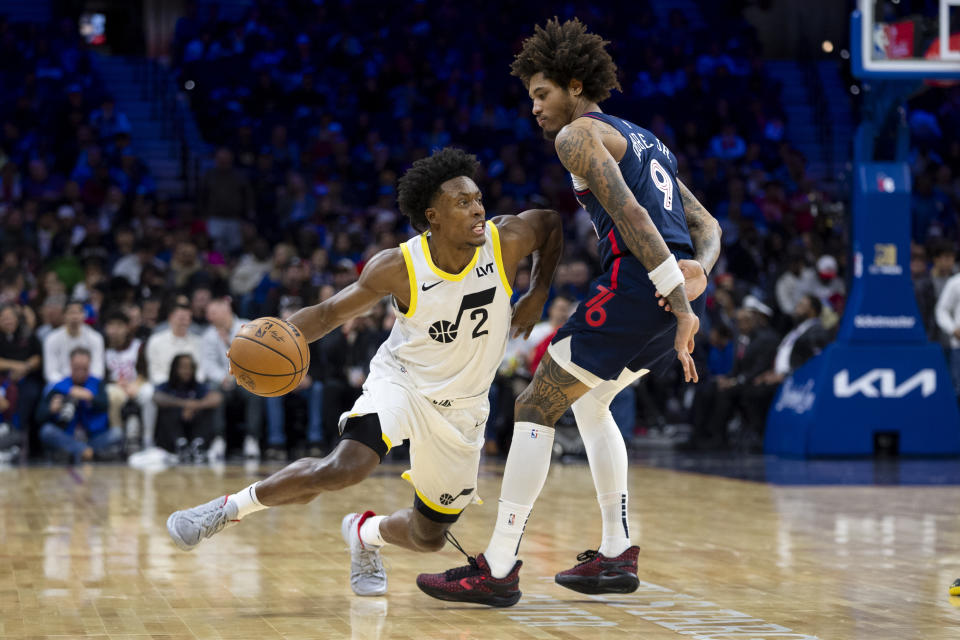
x,y
552,225
546,220
550,217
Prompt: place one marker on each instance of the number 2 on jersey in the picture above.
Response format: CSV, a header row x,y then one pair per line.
x,y
661,179
482,314
445,331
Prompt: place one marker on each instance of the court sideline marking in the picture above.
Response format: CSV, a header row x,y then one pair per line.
x,y
687,615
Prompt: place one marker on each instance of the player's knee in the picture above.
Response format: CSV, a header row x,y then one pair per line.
x,y
589,411
334,472
526,401
346,471
587,406
530,407
427,541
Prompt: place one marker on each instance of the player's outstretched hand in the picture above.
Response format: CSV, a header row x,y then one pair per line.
x,y
526,313
694,281
687,326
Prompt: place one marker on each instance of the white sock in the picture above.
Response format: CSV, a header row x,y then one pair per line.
x,y
526,470
501,553
607,454
370,532
616,531
246,501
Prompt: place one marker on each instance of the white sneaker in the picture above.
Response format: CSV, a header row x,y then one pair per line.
x,y
217,450
367,575
251,448
188,527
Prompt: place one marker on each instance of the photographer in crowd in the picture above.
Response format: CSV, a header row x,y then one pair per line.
x,y
74,414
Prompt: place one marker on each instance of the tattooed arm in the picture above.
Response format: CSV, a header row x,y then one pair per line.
x,y
704,230
582,152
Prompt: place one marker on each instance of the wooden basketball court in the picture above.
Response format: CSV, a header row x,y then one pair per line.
x,y
84,553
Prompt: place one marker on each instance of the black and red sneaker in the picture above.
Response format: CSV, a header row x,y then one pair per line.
x,y
597,573
472,583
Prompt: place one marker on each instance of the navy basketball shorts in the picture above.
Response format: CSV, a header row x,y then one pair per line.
x,y
619,329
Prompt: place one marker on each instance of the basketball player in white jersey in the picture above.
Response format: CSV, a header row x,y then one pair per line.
x,y
429,381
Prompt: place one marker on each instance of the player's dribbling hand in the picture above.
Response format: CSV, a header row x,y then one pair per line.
x,y
694,281
526,313
687,326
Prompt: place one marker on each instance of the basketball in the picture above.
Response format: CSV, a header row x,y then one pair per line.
x,y
269,357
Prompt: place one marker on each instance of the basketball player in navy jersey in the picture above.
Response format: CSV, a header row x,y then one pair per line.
x,y
429,381
646,220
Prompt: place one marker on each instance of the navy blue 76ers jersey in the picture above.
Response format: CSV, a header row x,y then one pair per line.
x,y
650,170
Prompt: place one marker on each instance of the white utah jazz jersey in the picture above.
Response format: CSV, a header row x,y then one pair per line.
x,y
451,340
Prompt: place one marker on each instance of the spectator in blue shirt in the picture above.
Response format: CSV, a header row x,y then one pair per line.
x,y
74,413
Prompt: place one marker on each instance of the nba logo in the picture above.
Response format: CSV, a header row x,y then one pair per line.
x,y
510,519
533,434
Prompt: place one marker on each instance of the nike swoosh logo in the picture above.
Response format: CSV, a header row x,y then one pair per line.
x,y
465,583
425,287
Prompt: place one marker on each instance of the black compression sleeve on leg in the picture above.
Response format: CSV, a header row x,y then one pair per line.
x,y
366,430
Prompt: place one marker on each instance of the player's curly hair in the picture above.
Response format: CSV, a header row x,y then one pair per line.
x,y
564,52
418,186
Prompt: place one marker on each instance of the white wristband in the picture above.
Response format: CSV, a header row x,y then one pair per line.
x,y
667,276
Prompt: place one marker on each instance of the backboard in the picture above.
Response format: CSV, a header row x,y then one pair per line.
x,y
906,39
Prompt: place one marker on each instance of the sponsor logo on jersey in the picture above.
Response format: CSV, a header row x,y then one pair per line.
x,y
427,287
485,270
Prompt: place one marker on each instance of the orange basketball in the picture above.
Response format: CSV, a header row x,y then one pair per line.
x,y
269,357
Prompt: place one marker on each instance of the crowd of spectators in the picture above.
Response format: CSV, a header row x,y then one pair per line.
x,y
118,302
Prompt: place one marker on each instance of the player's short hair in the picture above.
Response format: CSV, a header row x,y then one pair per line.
x,y
564,52
421,183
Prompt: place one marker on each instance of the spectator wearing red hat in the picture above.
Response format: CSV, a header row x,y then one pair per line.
x,y
828,287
